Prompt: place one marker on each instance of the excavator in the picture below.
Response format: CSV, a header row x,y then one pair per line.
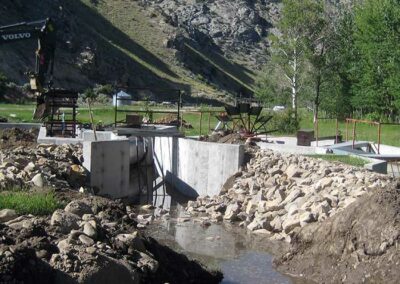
x,y
45,33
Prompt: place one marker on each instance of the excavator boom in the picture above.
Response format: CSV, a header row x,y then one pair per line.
x,y
45,33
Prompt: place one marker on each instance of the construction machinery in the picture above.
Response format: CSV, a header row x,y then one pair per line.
x,y
48,99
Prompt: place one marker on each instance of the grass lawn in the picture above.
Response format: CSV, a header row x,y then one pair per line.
x,y
390,134
36,203
345,159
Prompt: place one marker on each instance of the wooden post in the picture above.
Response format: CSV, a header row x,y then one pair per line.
x,y
379,137
115,111
337,131
317,131
201,120
354,132
347,129
209,122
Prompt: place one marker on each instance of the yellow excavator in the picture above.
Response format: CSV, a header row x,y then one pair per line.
x,y
45,33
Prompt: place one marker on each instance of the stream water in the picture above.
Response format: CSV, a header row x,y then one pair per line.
x,y
241,256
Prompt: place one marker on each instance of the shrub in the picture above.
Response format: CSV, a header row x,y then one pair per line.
x,y
285,122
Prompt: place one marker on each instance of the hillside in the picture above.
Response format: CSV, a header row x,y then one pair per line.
x,y
135,44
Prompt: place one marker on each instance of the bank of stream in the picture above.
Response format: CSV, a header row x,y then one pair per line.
x,y
241,256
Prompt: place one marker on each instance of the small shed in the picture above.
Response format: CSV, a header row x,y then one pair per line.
x,y
123,99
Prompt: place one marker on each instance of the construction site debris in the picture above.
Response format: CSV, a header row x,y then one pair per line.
x,y
278,194
51,166
172,119
90,239
14,137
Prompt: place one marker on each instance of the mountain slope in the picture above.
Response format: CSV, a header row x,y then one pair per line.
x,y
126,43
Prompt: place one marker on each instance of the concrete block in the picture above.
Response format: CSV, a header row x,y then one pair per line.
x,y
108,164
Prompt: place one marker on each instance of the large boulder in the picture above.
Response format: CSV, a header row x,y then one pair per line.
x,y
78,208
64,221
7,215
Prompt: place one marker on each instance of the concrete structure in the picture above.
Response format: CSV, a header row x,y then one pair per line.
x,y
366,150
196,167
4,125
108,164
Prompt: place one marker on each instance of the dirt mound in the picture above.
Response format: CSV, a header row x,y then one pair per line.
x,y
172,119
14,137
357,245
91,240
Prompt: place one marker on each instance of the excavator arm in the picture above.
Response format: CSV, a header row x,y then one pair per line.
x,y
45,33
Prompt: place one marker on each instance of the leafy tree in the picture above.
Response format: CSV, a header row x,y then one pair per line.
x,y
377,39
291,50
343,58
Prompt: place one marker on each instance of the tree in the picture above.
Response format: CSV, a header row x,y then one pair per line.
x,y
89,96
343,58
377,39
298,27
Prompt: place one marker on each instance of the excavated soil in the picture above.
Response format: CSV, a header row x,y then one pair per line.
x,y
357,245
15,137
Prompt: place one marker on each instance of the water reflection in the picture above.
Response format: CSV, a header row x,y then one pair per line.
x,y
241,256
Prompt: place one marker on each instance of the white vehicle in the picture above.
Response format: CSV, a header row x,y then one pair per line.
x,y
278,108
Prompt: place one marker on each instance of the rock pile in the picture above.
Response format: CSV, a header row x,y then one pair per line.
x,y
91,239
42,166
277,194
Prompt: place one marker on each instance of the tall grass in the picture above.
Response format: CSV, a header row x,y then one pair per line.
x,y
36,203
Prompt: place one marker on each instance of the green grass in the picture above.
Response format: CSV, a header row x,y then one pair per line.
x,y
36,203
345,159
105,114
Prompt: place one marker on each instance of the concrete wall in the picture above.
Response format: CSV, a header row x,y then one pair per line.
x,y
108,164
196,167
4,125
42,138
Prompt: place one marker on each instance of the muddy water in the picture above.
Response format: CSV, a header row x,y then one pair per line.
x,y
241,256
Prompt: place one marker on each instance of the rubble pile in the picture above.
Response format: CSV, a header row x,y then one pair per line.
x,y
14,137
40,166
277,194
91,240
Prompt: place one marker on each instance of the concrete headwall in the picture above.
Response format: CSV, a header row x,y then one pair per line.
x,y
196,167
108,164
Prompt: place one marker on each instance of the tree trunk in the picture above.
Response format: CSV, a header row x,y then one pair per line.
x,y
317,94
294,85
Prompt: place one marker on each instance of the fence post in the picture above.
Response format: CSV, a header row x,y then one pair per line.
x,y
347,129
379,137
201,120
317,131
337,131
354,132
209,122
